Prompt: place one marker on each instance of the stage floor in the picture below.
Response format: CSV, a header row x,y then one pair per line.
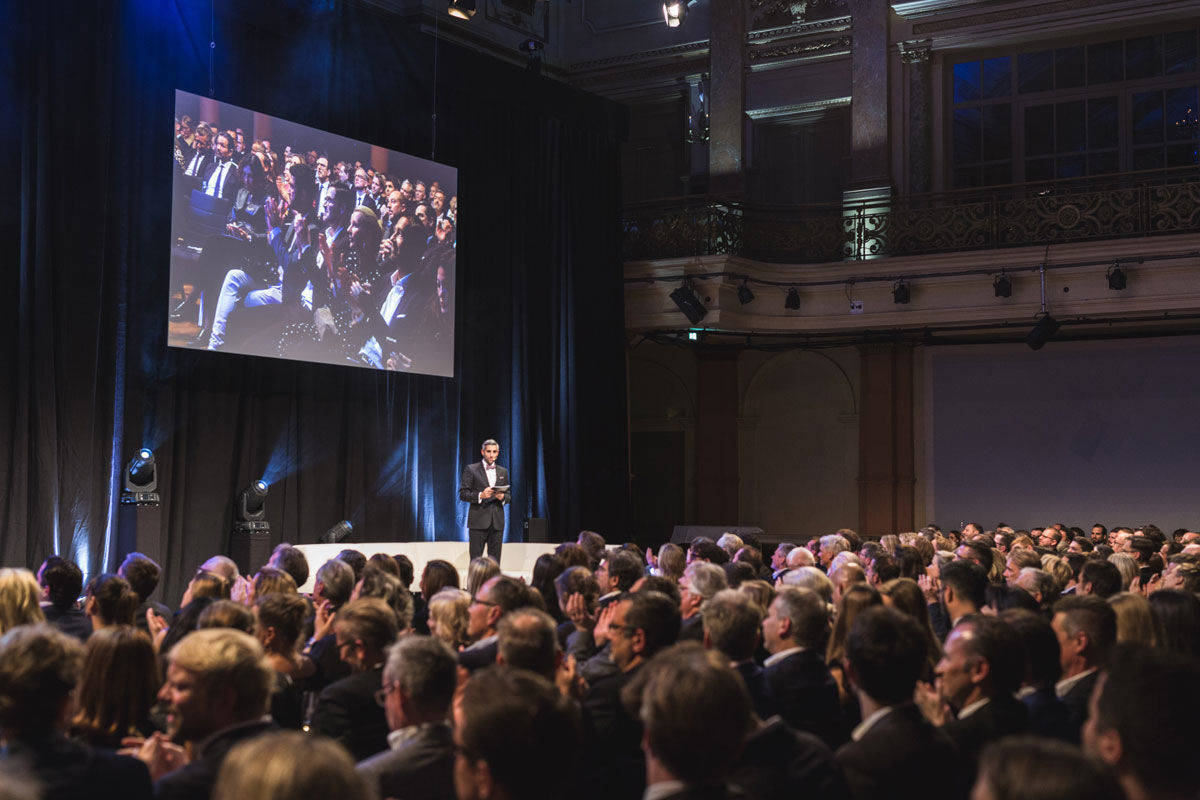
x,y
517,558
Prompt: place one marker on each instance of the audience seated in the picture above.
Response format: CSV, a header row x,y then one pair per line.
x,y
62,582
794,632
732,624
117,687
1048,716
1028,768
1086,628
700,582
143,574
19,593
289,765
496,597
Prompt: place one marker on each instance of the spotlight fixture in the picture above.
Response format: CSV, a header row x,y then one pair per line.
x,y
1043,330
252,503
793,299
900,292
744,294
687,301
1002,285
338,533
461,9
673,12
140,475
1116,277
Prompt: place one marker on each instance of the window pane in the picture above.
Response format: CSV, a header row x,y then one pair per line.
x,y
1143,57
1068,67
966,135
1181,113
1102,122
1148,158
1039,169
997,132
966,177
1104,62
1035,71
997,77
966,81
1101,163
997,174
1179,52
1182,155
1069,128
1039,130
1147,118
1072,166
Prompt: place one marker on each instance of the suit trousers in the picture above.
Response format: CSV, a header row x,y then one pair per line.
x,y
492,537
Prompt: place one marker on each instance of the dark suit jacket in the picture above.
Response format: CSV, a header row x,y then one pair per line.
x,y
692,629
347,712
779,763
488,515
71,771
902,755
807,695
616,767
479,655
1076,702
1047,715
422,769
195,781
761,695
1003,716
708,792
233,180
71,621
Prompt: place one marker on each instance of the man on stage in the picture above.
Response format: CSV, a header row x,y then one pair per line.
x,y
485,487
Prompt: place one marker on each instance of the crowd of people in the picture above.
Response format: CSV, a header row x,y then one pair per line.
x,y
311,257
1047,664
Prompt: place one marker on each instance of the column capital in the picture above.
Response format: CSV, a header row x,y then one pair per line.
x,y
915,51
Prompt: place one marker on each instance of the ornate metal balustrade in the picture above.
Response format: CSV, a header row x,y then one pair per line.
x,y
1114,206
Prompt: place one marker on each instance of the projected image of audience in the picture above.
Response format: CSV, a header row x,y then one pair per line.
x,y
296,243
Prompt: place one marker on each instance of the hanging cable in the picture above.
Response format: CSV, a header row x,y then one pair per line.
x,y
433,139
212,47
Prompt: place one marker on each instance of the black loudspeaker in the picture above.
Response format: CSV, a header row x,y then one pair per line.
x,y
250,549
537,530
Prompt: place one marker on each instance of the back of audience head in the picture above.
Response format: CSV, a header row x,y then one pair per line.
x,y
354,559
289,765
737,572
291,560
1101,578
527,640
1136,620
117,685
223,566
885,655
1127,566
516,737
910,563
573,555
964,586
376,582
856,600
399,565
761,592
39,668
62,581
1144,704
810,578
365,628
547,567
479,572
1030,768
206,584
1178,615
142,572
704,549
279,619
270,580
576,580
671,561
438,574
593,545
110,601
19,596
1039,647
448,616
661,584
1086,627
227,614
423,671
799,557
334,582
731,624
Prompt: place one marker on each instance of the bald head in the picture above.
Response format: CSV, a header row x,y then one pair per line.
x,y
800,557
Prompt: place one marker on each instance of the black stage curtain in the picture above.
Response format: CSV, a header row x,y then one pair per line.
x,y
87,378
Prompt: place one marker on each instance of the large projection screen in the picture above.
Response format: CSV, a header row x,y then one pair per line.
x,y
291,242
1078,432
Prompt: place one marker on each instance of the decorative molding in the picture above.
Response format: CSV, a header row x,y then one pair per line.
x,y
915,51
1007,15
687,49
769,13
636,80
602,29
831,25
924,8
801,50
797,109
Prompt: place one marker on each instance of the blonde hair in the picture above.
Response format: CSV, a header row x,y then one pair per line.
x,y
289,765
19,598
1127,566
1059,569
1135,619
479,572
449,609
761,592
224,657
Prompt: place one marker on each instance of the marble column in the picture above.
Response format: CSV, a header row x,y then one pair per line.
x,y
916,55
869,102
727,84
886,449
717,438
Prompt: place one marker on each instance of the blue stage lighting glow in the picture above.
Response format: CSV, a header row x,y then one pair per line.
x,y
144,453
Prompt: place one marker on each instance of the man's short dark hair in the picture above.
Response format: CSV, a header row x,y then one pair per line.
x,y
116,602
707,550
738,572
370,620
656,616
807,612
355,560
405,565
292,561
1093,616
63,579
1151,697
885,567
1142,547
1043,667
1104,577
997,642
526,732
887,652
528,640
967,580
509,593
625,567
981,554
659,583
731,621
426,669
142,573
337,579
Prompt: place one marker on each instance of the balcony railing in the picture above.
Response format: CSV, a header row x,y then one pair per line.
x,y
1108,207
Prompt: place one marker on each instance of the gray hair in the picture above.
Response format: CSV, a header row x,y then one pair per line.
x,y
730,542
706,579
528,640
1037,581
338,579
835,542
731,620
426,669
1127,566
807,612
810,578
488,442
802,557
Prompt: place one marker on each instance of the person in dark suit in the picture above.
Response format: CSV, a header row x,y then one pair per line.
x,y
891,749
143,574
731,626
418,684
61,583
979,673
221,176
796,624
346,710
39,666
216,695
485,514
779,763
1086,627
497,597
1047,714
